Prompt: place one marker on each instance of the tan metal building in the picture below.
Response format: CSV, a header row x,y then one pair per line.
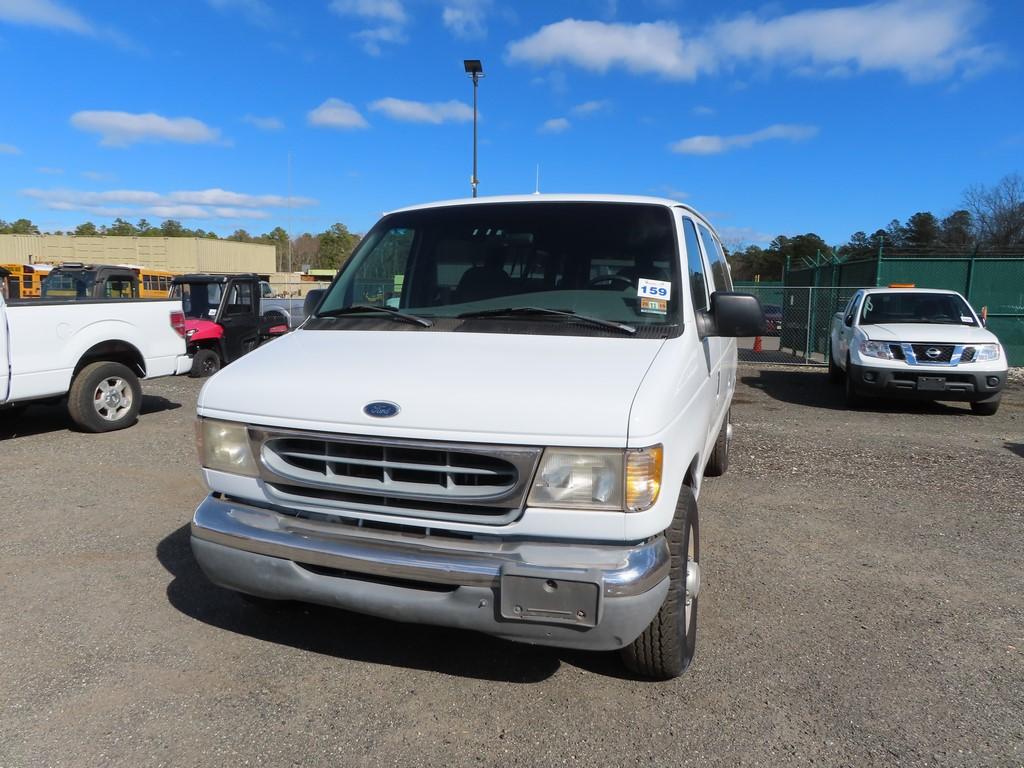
x,y
175,254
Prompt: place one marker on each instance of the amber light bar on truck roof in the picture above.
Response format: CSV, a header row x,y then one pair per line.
x,y
902,285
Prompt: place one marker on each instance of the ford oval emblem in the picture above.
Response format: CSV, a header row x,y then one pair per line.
x,y
381,409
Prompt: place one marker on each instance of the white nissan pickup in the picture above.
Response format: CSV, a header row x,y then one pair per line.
x,y
93,350
916,343
512,443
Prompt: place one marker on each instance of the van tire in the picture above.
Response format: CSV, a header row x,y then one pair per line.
x,y
718,461
985,407
205,362
665,649
85,399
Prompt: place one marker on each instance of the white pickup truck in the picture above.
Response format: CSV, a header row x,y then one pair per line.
x,y
916,343
94,351
513,443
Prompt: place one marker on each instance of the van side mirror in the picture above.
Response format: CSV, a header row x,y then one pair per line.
x,y
732,315
848,320
312,301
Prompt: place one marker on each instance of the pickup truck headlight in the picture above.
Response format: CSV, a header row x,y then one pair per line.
x,y
592,478
879,349
224,446
985,352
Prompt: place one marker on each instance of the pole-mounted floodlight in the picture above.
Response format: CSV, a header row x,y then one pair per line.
x,y
475,70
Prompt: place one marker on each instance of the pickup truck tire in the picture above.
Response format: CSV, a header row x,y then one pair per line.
x,y
835,373
205,362
665,649
718,461
853,398
985,407
104,396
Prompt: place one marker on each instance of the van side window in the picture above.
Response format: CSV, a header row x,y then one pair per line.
x,y
716,257
698,282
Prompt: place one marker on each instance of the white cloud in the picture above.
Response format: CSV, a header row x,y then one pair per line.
x,y
714,145
50,170
372,38
212,203
649,48
9,149
254,11
335,113
669,191
466,18
119,129
422,112
555,125
921,39
264,123
97,175
702,111
591,107
44,13
387,10
735,238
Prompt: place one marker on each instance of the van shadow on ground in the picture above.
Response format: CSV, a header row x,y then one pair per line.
x,y
334,632
38,419
813,388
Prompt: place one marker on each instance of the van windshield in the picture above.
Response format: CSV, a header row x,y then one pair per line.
x,y
940,308
614,262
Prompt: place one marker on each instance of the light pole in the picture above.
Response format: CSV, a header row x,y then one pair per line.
x,y
475,70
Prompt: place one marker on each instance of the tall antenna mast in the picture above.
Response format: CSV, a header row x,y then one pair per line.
x,y
536,189
289,212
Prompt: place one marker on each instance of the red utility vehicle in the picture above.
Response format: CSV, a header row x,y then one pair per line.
x,y
223,319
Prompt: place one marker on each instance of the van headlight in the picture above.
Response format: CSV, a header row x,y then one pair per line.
x,y
224,446
597,478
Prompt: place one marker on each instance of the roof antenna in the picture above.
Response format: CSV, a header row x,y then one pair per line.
x,y
536,189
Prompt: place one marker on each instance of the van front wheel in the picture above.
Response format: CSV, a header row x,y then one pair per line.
x,y
665,649
718,461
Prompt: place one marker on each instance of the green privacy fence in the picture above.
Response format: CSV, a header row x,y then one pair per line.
x,y
990,282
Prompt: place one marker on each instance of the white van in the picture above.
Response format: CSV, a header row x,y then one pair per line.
x,y
516,448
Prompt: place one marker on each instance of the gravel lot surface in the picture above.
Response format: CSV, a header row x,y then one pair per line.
x,y
863,605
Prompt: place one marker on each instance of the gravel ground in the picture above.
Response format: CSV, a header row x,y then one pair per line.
x,y
862,606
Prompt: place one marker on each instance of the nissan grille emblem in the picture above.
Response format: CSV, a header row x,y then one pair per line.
x,y
933,352
381,409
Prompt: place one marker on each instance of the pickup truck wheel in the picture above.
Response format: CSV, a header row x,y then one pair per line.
x,y
853,397
105,396
835,373
986,408
718,461
665,649
205,362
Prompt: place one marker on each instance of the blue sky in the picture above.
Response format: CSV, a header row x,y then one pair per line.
x,y
784,117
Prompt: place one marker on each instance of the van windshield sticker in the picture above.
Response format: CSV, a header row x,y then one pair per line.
x,y
654,295
966,319
655,289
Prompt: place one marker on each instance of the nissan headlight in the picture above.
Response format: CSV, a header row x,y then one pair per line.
x,y
597,478
879,349
985,352
224,446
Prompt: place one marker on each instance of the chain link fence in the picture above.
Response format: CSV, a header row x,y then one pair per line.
x,y
797,324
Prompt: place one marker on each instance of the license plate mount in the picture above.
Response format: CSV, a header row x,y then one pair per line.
x,y
931,383
550,598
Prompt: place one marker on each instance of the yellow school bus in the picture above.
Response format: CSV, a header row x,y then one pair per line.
x,y
24,280
153,283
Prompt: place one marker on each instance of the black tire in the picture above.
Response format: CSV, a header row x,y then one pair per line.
x,y
853,397
835,373
205,362
985,408
104,396
718,461
665,649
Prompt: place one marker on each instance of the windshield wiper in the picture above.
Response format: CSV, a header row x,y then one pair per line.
x,y
359,309
526,311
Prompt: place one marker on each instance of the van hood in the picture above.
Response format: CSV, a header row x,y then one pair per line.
x,y
509,388
929,333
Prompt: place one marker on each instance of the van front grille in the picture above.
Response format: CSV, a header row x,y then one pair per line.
x,y
433,481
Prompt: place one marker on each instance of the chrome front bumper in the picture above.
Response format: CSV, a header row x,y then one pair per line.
x,y
567,594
